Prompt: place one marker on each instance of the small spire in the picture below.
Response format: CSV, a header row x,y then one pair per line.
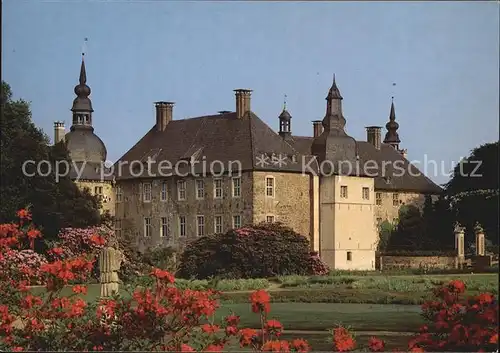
x,y
392,114
284,103
334,92
392,136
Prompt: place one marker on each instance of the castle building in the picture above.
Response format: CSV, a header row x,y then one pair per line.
x,y
87,151
203,175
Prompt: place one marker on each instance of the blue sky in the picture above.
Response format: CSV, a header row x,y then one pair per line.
x,y
443,57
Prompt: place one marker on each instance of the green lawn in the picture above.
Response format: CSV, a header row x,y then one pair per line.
x,y
324,316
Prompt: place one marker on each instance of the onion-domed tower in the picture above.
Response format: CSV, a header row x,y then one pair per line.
x,y
87,151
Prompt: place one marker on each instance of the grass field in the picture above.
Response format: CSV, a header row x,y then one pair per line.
x,y
325,316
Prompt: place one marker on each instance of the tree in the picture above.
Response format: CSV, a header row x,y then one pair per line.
x,y
54,203
409,232
473,191
386,229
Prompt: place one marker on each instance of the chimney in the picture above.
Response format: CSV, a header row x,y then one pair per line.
x,y
242,101
164,114
59,131
317,127
373,135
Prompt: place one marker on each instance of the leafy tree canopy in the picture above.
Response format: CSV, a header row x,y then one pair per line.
x,y
54,203
473,191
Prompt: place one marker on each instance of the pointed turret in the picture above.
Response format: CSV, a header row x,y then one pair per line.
x,y
285,122
392,137
334,145
82,105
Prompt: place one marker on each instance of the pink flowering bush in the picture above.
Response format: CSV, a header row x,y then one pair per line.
x,y
26,263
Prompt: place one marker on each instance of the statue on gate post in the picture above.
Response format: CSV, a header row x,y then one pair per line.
x,y
110,260
459,244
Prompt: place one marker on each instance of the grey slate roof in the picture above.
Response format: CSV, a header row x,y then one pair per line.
x,y
225,138
221,137
414,181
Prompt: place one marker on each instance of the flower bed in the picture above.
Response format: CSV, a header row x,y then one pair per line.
x,y
164,317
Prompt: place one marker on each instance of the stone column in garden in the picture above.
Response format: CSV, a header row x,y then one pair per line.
x,y
110,260
460,243
479,239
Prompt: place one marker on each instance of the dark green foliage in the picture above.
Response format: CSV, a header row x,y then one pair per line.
x,y
409,233
54,203
259,251
473,190
160,257
386,229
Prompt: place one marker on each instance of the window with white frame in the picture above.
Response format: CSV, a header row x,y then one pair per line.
x,y
270,186
182,226
119,194
164,227
181,190
217,188
218,224
366,193
270,219
236,221
163,192
200,189
147,227
146,192
118,228
378,198
200,225
236,187
343,191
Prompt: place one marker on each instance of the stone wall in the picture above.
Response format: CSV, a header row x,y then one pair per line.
x,y
290,204
132,210
390,204
107,195
389,262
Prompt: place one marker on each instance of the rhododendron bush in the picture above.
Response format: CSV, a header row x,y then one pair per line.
x,y
258,251
166,318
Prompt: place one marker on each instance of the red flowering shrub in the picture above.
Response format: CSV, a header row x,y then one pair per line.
x,y
166,318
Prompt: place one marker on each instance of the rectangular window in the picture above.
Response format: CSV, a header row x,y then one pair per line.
x,y
181,190
395,199
163,193
349,256
164,227
147,227
182,226
98,190
378,198
119,194
270,219
379,221
200,189
218,224
366,193
200,225
343,191
118,228
146,192
217,188
269,186
236,187
236,221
